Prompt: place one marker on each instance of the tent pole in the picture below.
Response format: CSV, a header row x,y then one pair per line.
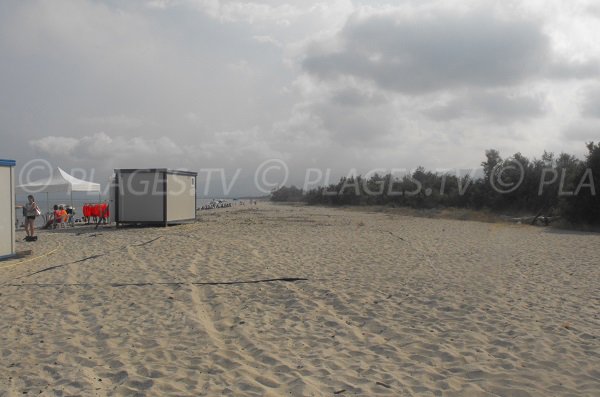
x,y
47,206
71,198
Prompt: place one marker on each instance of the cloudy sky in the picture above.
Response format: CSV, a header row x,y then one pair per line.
x,y
339,84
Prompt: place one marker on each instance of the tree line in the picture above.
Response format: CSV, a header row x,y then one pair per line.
x,y
551,185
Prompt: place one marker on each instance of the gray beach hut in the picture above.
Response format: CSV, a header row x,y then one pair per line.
x,y
154,196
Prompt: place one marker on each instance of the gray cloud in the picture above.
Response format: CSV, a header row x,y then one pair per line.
x,y
490,106
362,127
591,104
583,130
442,50
340,83
561,69
353,97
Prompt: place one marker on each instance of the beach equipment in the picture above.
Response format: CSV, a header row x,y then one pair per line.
x,y
98,211
153,196
7,209
58,182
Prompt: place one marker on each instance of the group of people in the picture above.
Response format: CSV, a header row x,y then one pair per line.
x,y
224,204
61,216
216,204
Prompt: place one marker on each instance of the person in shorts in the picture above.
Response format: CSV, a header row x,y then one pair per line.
x,y
31,211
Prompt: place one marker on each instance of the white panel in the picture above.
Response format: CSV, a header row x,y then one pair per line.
x,y
181,198
7,212
13,202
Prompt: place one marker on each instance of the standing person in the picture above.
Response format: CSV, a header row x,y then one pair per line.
x,y
31,212
71,215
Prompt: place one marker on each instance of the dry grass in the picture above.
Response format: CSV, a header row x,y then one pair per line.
x,y
436,213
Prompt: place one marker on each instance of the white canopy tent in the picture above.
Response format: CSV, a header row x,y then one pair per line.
x,y
58,182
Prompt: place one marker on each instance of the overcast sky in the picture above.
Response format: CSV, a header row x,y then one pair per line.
x,y
337,84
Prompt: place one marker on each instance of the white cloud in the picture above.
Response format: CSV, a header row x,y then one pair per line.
x,y
102,146
161,4
249,11
55,145
265,39
280,13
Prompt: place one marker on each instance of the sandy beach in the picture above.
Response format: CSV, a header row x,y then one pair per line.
x,y
274,300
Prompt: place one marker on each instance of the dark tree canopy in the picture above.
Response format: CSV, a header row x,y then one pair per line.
x,y
552,185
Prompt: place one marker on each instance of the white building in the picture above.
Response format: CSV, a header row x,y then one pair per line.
x,y
7,209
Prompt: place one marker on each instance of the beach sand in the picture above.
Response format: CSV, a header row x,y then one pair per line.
x,y
390,305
